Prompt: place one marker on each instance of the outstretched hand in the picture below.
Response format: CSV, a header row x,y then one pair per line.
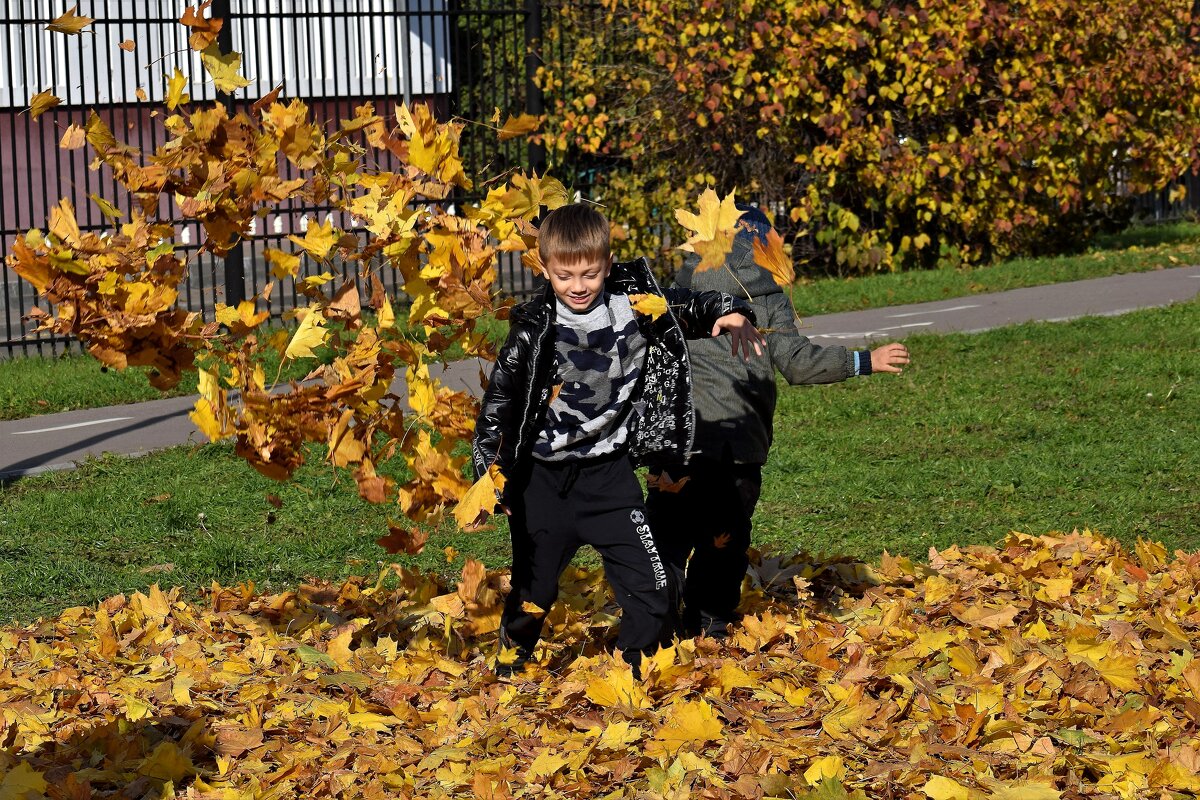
x,y
889,358
742,333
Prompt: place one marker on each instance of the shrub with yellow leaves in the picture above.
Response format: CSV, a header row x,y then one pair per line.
x,y
884,135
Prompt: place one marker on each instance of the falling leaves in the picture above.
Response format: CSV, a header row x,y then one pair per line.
x,y
176,96
660,480
224,69
772,257
203,29
42,102
480,499
652,305
523,125
311,333
73,138
713,229
318,239
70,22
403,539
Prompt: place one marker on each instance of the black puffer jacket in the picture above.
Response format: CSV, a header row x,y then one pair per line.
x,y
663,427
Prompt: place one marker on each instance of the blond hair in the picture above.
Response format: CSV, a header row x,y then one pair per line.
x,y
574,233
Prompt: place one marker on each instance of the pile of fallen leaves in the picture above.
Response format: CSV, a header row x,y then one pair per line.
x,y
1053,667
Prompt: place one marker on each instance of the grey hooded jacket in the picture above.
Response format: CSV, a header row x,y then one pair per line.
x,y
735,399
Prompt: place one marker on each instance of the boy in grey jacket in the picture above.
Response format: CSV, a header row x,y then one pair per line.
x,y
702,511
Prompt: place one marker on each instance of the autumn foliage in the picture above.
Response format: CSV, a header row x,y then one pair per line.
x,y
883,134
1054,667
117,290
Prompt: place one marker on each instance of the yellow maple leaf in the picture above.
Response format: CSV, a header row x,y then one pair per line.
x,y
774,259
176,96
618,735
985,616
167,763
283,264
546,764
204,417
1021,790
849,713
526,196
422,390
318,239
223,68
310,334
480,499
243,315
339,647
62,223
313,281
618,689
652,305
21,781
825,768
533,608
940,787
523,125
42,102
106,208
387,317
689,721
73,138
713,229
70,23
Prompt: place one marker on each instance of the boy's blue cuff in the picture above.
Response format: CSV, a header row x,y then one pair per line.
x,y
862,362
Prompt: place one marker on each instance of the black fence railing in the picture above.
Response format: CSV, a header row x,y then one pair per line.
x,y
463,58
1170,204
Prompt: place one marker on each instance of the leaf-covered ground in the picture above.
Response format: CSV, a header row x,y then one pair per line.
x,y
1055,667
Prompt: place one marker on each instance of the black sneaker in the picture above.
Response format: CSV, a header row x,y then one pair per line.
x,y
715,627
523,656
517,667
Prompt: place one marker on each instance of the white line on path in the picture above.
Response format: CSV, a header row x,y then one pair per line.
x,y
857,334
936,311
76,425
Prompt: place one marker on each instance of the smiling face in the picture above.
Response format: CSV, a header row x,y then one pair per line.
x,y
578,284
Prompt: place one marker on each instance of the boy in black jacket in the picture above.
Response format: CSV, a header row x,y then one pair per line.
x,y
584,390
702,511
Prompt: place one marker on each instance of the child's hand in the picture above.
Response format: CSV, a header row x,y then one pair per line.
x,y
889,358
742,332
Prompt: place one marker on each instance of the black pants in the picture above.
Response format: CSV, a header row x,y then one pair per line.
x,y
560,508
706,520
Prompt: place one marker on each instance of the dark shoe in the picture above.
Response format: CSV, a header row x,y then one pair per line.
x,y
522,657
715,627
517,667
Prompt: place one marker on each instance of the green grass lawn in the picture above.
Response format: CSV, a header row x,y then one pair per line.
x,y
30,386
1138,249
74,380
1038,427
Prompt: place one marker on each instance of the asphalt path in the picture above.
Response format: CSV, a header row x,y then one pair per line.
x,y
59,441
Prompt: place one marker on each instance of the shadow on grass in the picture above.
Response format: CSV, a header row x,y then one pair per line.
x,y
1148,236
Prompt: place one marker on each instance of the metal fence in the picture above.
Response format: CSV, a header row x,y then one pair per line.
x,y
463,58
1168,206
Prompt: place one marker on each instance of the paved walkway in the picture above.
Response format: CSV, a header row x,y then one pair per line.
x,y
58,441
